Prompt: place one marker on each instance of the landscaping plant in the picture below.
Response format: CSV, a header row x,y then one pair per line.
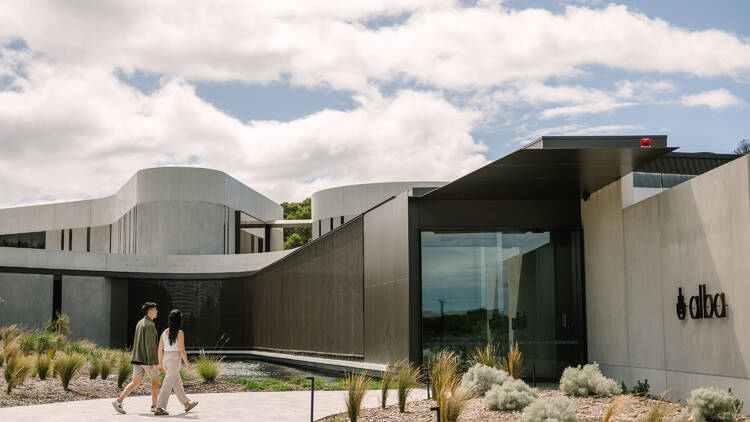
x,y
124,368
612,409
59,325
442,369
711,404
658,412
481,378
43,364
27,343
9,333
409,377
67,365
388,375
587,381
487,355
17,368
454,400
641,389
45,343
208,367
356,388
10,349
513,363
513,394
558,409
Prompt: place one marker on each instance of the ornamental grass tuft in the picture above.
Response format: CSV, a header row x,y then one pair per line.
x,y
124,368
513,362
356,387
9,333
209,367
454,400
487,355
43,364
17,368
441,369
613,408
10,349
388,376
409,377
67,365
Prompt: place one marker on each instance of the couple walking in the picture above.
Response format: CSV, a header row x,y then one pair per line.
x,y
147,355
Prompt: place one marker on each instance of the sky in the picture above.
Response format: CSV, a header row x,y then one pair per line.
x,y
290,97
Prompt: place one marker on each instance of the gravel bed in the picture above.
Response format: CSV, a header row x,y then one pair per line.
x,y
36,391
588,409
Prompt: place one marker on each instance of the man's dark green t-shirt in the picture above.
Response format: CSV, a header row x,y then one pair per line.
x,y
144,343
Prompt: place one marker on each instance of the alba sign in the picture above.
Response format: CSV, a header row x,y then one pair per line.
x,y
702,306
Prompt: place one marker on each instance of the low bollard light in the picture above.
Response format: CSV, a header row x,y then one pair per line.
x,y
436,409
312,396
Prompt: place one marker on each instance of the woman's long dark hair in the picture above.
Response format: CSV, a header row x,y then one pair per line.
x,y
174,324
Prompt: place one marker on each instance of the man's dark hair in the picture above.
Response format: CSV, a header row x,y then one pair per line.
x,y
147,307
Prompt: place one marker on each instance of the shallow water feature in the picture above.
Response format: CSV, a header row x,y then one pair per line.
x,y
254,369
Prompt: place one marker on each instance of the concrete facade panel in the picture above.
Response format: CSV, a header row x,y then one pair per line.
x,y
94,305
162,228
100,239
695,233
27,299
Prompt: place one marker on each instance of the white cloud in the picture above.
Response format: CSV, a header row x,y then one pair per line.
x,y
439,43
717,98
72,132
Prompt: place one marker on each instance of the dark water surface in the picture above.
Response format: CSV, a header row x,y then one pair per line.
x,y
254,369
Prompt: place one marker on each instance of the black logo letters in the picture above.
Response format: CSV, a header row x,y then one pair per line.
x,y
701,306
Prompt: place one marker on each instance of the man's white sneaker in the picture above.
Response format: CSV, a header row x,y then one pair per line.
x,y
153,409
118,407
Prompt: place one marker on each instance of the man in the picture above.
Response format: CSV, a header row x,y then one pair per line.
x,y
145,358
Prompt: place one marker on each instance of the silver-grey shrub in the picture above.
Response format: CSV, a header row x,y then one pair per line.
x,y
513,394
480,378
587,381
558,409
710,404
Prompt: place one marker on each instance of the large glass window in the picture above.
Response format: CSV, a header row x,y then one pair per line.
x,y
510,286
24,240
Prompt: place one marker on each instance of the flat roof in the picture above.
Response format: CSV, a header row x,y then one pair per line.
x,y
556,167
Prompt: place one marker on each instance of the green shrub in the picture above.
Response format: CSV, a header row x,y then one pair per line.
x,y
45,343
83,347
17,368
356,389
107,359
43,364
67,365
124,368
93,368
513,394
266,384
59,325
409,377
641,389
208,367
587,381
737,404
27,343
711,404
480,378
558,409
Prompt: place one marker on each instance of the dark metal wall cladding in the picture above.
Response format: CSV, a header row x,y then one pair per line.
x,y
387,292
687,163
312,300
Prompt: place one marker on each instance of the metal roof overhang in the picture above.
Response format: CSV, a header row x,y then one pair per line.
x,y
563,171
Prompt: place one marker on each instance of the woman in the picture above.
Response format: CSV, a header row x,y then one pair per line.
x,y
171,349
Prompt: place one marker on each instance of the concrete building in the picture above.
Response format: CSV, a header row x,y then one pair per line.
x,y
609,249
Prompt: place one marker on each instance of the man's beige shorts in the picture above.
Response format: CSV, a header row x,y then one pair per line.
x,y
139,370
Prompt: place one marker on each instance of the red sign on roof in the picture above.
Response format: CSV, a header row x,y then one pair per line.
x,y
646,143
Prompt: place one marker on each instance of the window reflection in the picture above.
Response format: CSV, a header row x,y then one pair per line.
x,y
508,286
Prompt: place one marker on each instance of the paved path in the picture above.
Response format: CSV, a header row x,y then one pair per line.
x,y
292,406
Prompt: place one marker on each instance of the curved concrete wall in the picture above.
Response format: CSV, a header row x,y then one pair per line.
x,y
187,184
352,200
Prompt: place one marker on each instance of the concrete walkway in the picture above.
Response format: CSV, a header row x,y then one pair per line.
x,y
292,406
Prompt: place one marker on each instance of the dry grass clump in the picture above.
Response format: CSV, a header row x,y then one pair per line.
x,y
124,367
356,387
513,362
67,365
208,367
9,333
388,376
487,355
17,368
450,395
613,408
43,364
409,377
10,349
